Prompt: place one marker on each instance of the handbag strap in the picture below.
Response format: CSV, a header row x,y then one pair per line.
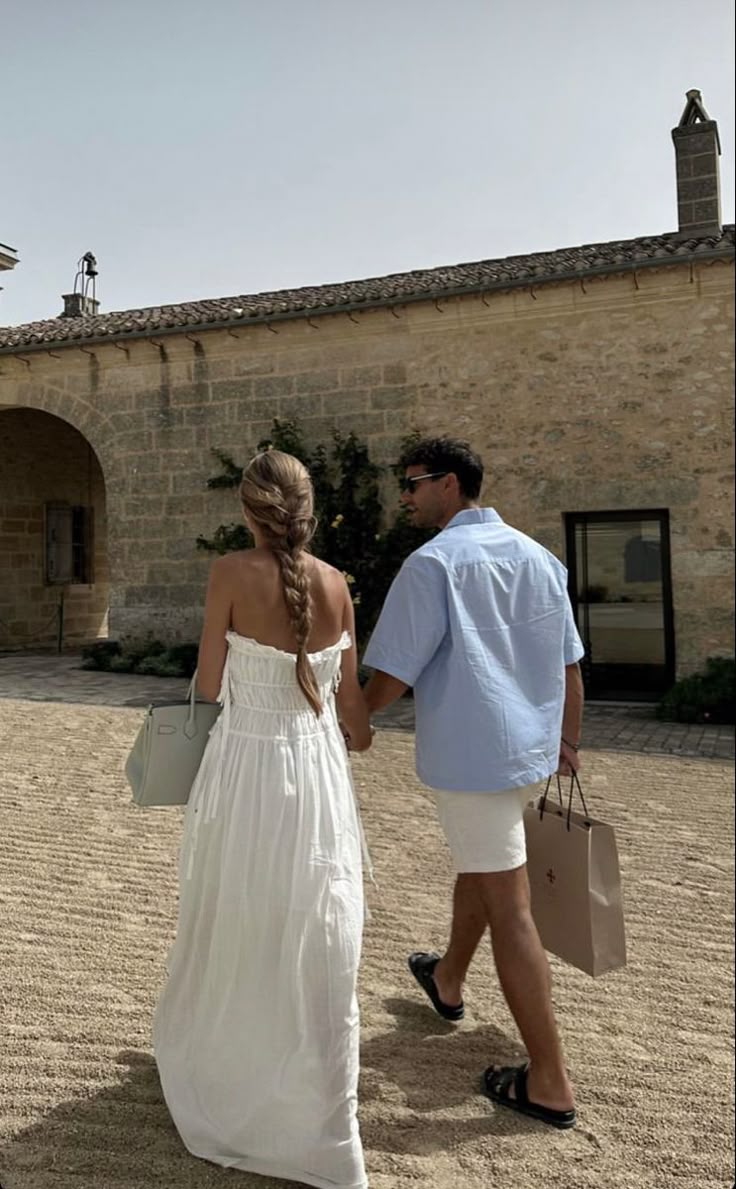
x,y
192,696
574,786
543,802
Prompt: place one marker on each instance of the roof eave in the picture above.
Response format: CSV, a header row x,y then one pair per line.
x,y
528,282
8,258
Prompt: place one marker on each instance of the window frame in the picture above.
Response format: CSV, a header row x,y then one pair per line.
x,y
571,521
80,544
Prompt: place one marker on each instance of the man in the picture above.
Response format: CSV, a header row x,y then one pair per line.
x,y
478,621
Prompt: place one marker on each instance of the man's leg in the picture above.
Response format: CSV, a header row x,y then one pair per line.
x,y
469,923
524,975
489,829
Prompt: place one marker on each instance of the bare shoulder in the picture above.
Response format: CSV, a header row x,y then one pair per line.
x,y
229,565
222,564
252,558
324,572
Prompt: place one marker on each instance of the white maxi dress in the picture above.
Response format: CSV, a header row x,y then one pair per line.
x,y
256,1031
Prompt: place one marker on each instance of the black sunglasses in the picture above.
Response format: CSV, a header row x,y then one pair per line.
x,y
411,483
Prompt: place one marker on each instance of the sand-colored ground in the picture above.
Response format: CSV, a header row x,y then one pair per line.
x,y
87,910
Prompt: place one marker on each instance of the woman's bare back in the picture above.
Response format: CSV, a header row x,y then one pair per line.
x,y
258,608
245,593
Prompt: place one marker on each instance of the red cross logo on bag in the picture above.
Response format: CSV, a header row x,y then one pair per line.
x,y
551,876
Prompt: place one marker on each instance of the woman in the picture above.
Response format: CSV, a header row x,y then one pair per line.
x,y
256,1032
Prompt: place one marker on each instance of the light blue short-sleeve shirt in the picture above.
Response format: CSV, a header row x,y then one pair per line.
x,y
479,622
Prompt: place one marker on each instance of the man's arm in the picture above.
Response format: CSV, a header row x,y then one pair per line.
x,y
410,629
572,721
381,690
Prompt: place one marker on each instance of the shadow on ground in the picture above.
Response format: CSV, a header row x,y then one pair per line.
x,y
119,1137
122,1137
405,1061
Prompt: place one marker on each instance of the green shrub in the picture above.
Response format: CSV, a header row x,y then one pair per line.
x,y
707,697
100,654
121,664
184,657
143,648
153,648
148,658
226,538
160,666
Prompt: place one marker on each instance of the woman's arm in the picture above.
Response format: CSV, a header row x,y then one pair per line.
x,y
351,708
212,644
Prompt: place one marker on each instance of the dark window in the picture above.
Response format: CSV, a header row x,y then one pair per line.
x,y
621,592
68,544
642,560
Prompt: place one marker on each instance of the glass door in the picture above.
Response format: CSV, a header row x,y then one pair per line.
x,y
621,592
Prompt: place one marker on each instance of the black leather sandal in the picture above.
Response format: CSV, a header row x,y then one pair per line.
x,y
422,967
496,1085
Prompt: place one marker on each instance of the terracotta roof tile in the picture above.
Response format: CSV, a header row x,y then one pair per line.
x,y
398,288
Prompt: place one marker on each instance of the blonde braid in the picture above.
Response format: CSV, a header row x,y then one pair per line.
x,y
277,492
299,605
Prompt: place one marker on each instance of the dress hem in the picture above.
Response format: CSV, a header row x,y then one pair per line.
x,y
268,1168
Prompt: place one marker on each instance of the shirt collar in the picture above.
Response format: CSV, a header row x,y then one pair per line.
x,y
474,516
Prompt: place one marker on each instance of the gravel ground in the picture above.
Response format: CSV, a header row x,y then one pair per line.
x,y
87,911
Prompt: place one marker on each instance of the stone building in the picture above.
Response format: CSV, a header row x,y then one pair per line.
x,y
595,380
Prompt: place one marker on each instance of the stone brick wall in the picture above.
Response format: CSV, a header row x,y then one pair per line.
x,y
612,395
44,460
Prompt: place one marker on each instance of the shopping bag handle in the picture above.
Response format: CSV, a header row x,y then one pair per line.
x,y
574,784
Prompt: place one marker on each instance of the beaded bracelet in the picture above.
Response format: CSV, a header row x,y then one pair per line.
x,y
574,746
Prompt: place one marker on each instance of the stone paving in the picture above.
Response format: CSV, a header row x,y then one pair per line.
x,y
607,726
618,727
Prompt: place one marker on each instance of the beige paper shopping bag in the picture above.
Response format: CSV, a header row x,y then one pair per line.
x,y
575,883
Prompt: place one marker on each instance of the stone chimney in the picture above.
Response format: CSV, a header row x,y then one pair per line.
x,y
78,305
82,303
697,149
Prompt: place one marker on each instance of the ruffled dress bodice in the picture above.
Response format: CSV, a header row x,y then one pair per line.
x,y
259,681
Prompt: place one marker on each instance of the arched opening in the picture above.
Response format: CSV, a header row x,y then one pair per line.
x,y
54,583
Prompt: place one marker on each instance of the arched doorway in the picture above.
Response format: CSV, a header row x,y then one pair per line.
x,y
54,587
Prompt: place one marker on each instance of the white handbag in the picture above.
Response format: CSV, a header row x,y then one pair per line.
x,y
168,750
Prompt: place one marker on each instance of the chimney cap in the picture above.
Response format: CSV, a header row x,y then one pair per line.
x,y
694,113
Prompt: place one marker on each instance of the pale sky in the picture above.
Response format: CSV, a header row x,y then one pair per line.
x,y
222,148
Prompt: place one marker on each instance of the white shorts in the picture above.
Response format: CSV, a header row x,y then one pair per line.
x,y
484,831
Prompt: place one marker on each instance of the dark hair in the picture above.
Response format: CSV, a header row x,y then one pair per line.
x,y
450,455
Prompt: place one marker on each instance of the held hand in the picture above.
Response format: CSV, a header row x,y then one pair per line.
x,y
346,734
569,760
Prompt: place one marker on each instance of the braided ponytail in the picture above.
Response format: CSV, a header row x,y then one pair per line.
x,y
299,605
277,492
